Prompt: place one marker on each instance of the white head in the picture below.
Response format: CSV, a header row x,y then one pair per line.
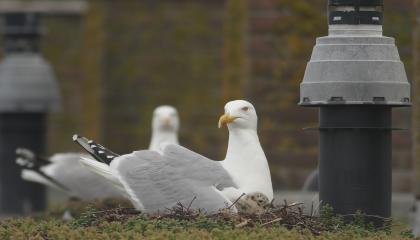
x,y
239,114
165,119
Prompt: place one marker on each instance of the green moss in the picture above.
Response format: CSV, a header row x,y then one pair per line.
x,y
101,220
141,227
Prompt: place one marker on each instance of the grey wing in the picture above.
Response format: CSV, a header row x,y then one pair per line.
x,y
156,181
197,167
84,184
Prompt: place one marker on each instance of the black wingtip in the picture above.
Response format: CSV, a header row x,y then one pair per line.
x,y
27,159
97,151
84,143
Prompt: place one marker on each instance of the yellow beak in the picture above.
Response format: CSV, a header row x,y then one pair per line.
x,y
225,119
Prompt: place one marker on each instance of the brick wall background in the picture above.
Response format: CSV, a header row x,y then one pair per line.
x,y
123,58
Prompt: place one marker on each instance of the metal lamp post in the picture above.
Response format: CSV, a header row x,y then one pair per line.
x,y
355,77
28,91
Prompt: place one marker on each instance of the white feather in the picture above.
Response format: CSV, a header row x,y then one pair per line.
x,y
103,170
33,176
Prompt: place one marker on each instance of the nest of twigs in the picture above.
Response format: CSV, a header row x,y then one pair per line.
x,y
286,215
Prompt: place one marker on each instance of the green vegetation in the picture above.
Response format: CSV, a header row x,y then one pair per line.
x,y
138,228
285,222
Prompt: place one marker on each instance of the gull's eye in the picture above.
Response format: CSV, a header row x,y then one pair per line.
x,y
245,109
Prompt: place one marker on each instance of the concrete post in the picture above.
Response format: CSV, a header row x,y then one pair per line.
x,y
355,77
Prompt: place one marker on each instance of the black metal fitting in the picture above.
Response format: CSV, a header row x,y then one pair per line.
x,y
21,32
355,12
356,2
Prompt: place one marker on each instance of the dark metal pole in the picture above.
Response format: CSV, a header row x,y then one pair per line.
x,y
355,159
20,130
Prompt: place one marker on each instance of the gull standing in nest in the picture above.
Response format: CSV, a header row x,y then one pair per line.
x,y
156,181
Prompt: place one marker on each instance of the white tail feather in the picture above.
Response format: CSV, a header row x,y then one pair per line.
x,y
32,176
103,170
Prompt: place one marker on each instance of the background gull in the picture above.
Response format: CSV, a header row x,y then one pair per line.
x,y
165,126
63,172
157,180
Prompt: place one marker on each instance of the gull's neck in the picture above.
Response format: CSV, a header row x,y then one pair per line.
x,y
246,162
159,137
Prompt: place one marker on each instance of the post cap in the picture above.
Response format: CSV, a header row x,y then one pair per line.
x,y
356,2
21,32
355,12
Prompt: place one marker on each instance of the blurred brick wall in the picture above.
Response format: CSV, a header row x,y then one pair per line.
x,y
281,36
126,57
399,23
163,52
62,47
